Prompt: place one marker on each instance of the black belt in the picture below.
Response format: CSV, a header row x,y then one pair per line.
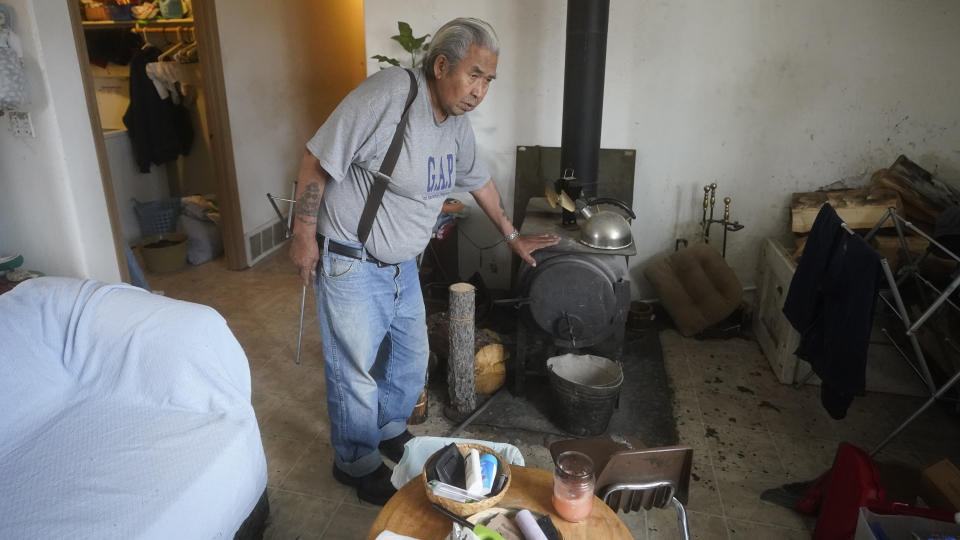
x,y
349,251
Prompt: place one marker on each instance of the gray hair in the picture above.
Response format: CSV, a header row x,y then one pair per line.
x,y
454,39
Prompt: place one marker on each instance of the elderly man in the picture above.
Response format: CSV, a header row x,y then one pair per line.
x,y
369,303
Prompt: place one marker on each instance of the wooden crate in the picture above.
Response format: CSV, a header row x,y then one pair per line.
x,y
886,370
776,336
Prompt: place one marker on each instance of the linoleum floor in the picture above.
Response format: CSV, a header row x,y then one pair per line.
x,y
748,431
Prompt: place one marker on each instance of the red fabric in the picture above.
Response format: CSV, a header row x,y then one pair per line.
x,y
852,482
809,504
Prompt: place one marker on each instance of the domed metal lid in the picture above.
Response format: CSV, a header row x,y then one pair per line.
x,y
606,230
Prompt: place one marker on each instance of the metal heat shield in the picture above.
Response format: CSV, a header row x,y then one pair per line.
x,y
537,166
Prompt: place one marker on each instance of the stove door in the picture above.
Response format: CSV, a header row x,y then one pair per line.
x,y
576,298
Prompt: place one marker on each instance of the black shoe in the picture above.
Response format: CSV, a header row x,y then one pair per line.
x,y
374,488
393,448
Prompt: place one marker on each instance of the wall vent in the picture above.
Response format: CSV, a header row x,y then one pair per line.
x,y
255,249
265,240
279,232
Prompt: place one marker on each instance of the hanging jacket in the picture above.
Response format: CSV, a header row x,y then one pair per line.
x,y
831,303
159,129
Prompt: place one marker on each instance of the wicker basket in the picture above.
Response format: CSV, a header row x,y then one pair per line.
x,y
164,252
468,509
96,12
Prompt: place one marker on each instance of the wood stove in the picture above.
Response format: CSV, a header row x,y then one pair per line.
x,y
577,296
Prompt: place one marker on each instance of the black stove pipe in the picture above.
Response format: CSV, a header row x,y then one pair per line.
x,y
583,93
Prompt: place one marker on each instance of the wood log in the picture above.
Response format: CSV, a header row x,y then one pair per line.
x,y
489,362
916,207
798,251
940,194
419,414
460,373
489,355
888,246
854,206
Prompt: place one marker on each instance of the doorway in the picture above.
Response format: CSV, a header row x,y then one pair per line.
x,y
283,72
106,50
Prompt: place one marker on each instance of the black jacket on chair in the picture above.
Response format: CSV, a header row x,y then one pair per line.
x,y
831,303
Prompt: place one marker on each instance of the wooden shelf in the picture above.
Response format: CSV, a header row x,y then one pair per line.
x,y
131,24
112,71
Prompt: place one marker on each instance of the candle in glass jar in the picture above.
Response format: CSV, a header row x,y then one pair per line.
x,y
575,508
573,485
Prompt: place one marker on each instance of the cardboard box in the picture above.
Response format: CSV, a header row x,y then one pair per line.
x,y
941,482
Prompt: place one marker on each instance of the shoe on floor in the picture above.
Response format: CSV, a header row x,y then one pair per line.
x,y
374,488
393,448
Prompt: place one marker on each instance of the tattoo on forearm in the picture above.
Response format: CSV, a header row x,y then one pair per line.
x,y
503,210
308,205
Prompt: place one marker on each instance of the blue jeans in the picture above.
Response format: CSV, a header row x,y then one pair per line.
x,y
373,326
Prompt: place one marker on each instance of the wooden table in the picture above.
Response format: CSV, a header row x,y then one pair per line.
x,y
409,511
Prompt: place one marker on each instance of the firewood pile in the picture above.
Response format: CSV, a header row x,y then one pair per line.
x,y
904,186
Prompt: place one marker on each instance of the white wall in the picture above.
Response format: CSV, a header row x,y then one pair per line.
x,y
764,98
285,68
52,206
193,173
129,183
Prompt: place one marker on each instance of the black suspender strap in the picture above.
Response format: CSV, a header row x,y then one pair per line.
x,y
382,178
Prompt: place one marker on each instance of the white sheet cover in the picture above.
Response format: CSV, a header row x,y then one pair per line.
x,y
124,415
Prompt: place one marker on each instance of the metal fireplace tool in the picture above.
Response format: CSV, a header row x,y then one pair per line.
x,y
288,223
710,195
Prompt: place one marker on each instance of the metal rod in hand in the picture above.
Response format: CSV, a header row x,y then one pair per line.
x,y
303,300
303,293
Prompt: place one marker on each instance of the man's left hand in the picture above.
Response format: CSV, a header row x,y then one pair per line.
x,y
525,244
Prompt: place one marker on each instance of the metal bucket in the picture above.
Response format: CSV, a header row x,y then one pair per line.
x,y
587,389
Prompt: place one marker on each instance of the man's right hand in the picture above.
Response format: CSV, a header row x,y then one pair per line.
x,y
303,248
305,254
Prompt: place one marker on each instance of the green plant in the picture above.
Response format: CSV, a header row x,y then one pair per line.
x,y
416,46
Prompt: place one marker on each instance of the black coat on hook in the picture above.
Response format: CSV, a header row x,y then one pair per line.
x,y
159,129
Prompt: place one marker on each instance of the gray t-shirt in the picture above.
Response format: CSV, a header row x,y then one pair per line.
x,y
436,159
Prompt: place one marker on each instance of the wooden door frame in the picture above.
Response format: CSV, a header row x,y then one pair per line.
x,y
221,142
218,120
93,110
